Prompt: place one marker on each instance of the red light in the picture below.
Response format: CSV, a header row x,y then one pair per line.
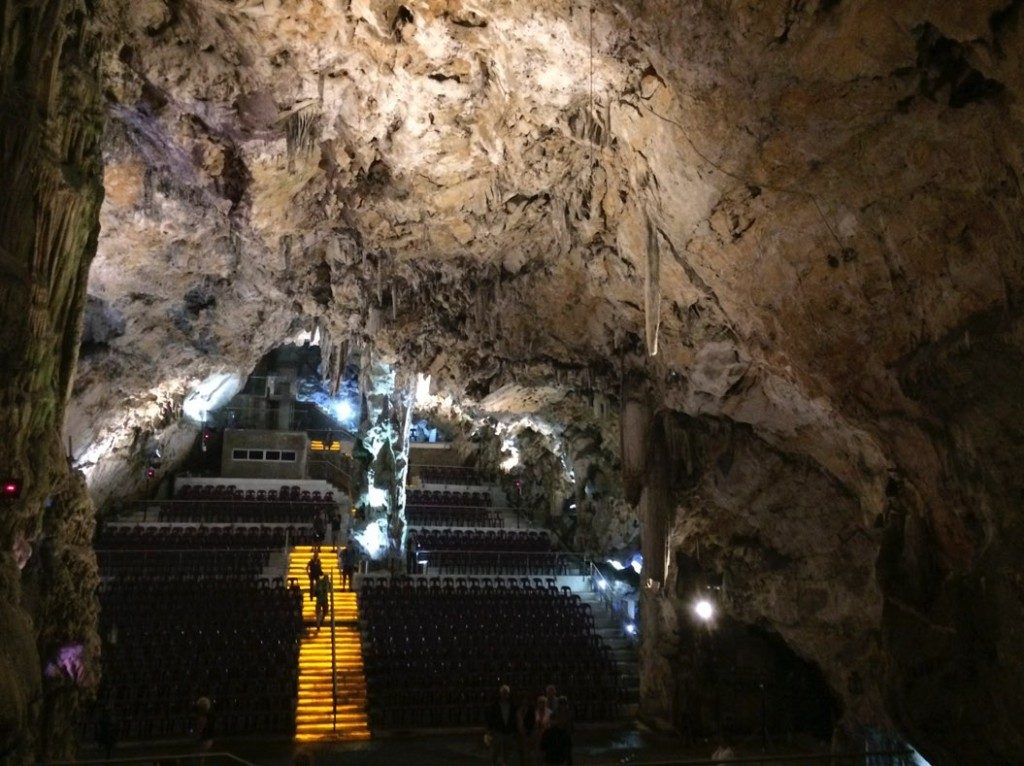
x,y
150,473
11,489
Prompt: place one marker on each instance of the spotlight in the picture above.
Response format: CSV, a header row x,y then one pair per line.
x,y
704,609
10,490
342,409
631,628
616,565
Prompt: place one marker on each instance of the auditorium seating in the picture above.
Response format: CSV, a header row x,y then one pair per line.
x,y
481,540
436,650
501,562
428,516
197,563
178,638
191,537
208,504
447,498
448,474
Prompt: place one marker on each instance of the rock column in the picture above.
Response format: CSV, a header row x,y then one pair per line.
x,y
51,124
382,455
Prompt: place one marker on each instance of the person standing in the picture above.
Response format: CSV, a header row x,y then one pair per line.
x,y
540,718
319,528
205,727
315,570
502,727
349,560
335,526
556,743
323,599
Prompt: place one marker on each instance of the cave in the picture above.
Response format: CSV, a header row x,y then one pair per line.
x,y
718,300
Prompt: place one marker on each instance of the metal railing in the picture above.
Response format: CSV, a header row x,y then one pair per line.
x,y
617,605
337,472
207,759
463,475
501,562
334,666
879,758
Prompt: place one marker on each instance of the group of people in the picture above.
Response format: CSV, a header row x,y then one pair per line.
x,y
530,733
322,521
320,583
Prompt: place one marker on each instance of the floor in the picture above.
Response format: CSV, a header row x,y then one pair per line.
x,y
592,747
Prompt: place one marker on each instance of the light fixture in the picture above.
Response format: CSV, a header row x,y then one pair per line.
x,y
10,489
342,409
616,565
704,609
631,628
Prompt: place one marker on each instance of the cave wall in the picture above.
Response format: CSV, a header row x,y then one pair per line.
x,y
907,640
51,128
810,209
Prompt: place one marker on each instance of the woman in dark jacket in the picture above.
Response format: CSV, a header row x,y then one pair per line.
x,y
556,742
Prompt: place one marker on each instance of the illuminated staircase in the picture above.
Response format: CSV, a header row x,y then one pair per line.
x,y
314,718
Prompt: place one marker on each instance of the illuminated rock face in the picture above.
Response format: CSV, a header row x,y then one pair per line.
x,y
382,458
810,209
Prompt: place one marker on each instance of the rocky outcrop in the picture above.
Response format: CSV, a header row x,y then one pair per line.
x,y
51,127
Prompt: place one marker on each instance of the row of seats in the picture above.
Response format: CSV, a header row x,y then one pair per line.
x,y
434,653
165,537
480,540
462,584
448,474
427,516
243,511
231,492
171,639
202,563
418,497
530,563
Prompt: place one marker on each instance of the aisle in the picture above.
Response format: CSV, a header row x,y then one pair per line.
x,y
314,710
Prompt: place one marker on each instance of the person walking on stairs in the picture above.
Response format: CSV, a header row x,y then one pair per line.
x,y
323,596
349,560
315,570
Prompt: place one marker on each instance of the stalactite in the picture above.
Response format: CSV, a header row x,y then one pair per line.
x,y
394,302
302,129
652,289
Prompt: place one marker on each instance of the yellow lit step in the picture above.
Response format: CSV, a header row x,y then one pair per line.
x,y
323,672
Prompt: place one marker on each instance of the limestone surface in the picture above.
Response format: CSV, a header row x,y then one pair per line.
x,y
776,245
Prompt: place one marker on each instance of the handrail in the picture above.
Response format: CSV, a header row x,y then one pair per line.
x,y
563,560
835,758
186,550
420,506
147,759
334,667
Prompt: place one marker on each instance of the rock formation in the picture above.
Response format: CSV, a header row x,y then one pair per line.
x,y
778,242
